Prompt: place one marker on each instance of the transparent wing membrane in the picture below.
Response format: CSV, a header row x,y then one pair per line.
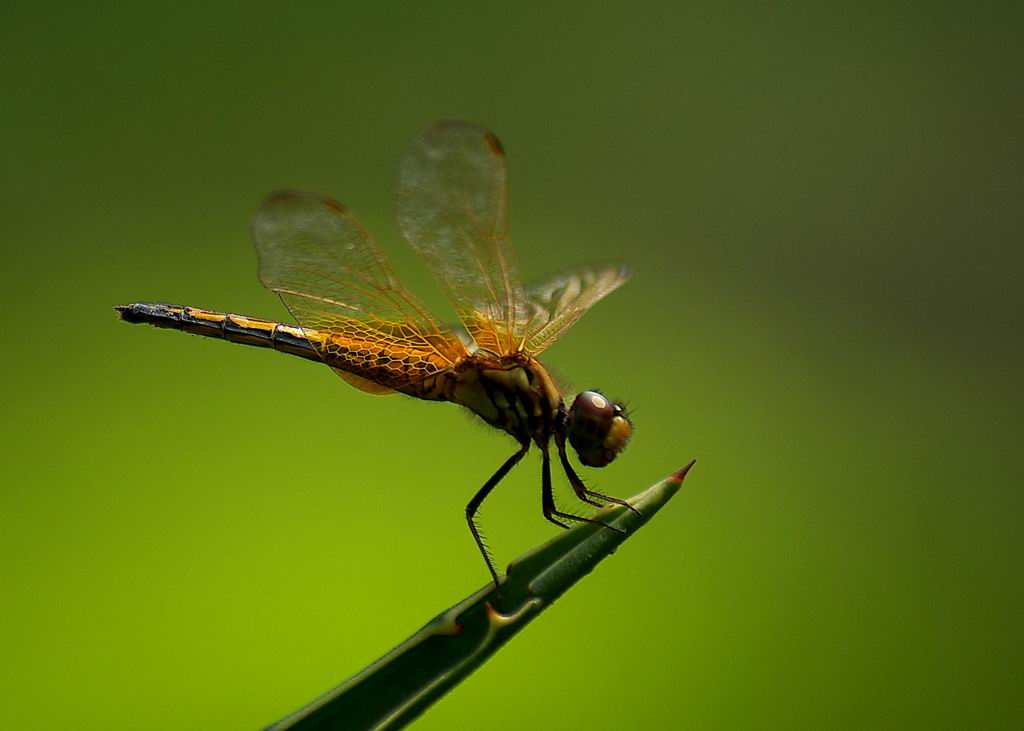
x,y
452,206
453,209
340,288
557,301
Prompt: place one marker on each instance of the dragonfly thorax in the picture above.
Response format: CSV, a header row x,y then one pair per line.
x,y
513,393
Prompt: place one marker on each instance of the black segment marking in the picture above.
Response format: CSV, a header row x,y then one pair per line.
x,y
249,336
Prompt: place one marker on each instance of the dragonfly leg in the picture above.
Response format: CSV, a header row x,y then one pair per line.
x,y
580,488
548,497
478,498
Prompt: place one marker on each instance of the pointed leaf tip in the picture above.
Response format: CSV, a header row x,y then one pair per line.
x,y
679,474
398,687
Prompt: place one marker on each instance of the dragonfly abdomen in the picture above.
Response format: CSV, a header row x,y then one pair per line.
x,y
222,325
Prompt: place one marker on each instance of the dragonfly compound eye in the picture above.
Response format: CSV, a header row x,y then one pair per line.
x,y
598,429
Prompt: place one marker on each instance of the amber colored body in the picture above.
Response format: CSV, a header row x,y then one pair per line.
x,y
513,393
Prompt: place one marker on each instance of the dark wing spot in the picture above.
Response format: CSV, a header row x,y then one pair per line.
x,y
283,195
495,144
333,205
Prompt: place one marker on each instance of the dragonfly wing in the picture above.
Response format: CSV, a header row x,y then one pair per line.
x,y
559,300
453,209
340,288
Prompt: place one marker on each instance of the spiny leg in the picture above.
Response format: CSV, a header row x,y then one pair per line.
x,y
579,487
548,497
482,493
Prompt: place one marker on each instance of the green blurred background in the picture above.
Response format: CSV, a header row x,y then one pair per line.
x,y
823,208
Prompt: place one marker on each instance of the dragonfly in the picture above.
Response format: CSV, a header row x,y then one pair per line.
x,y
355,316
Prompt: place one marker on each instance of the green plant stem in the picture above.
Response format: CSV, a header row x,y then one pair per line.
x,y
401,685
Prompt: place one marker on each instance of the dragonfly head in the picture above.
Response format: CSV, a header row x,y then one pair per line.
x,y
598,429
